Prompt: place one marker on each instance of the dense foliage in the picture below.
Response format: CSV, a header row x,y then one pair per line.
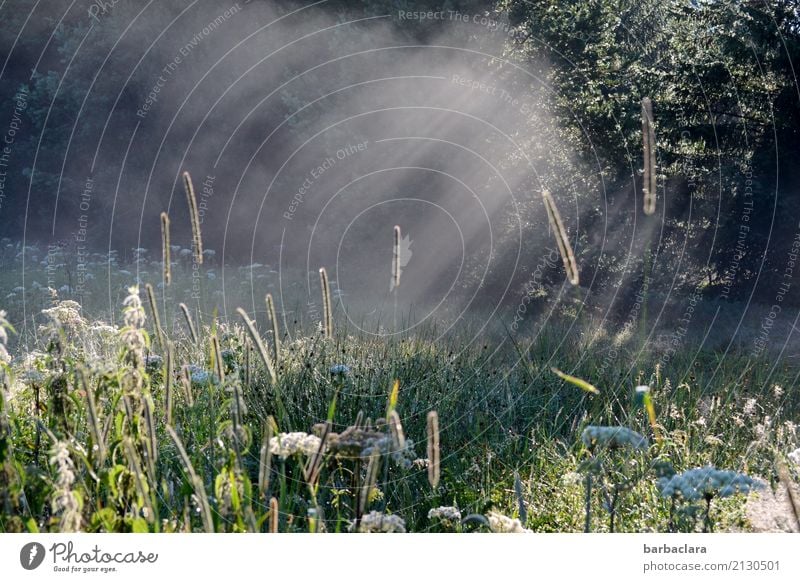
x,y
720,75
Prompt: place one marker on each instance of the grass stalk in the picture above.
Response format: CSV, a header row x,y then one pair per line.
x,y
276,341
562,240
327,314
158,331
165,250
196,482
433,448
189,322
194,217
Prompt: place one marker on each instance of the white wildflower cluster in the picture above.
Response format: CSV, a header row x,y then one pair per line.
x,y
287,444
705,483
66,314
65,503
613,437
446,515
377,522
420,463
571,479
749,408
103,339
500,523
103,331
4,357
795,456
762,429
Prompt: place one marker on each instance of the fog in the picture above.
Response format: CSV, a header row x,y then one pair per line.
x,y
308,137
310,132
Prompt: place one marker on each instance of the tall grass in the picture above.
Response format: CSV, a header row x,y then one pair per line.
x,y
357,432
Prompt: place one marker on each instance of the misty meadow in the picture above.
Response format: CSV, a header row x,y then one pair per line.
x,y
378,266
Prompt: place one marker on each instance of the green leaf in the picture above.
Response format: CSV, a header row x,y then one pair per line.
x,y
104,520
139,525
393,396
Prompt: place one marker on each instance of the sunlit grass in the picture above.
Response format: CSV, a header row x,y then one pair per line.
x,y
180,425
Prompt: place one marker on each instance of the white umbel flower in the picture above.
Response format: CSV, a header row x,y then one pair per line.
x,y
500,523
377,522
706,482
446,513
66,314
287,444
613,437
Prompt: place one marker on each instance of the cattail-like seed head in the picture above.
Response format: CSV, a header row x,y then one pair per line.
x,y
265,460
165,250
237,412
248,366
396,428
564,247
327,313
274,514
152,438
262,351
649,155
169,373
186,380
276,341
151,299
433,448
194,217
216,352
189,322
396,264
